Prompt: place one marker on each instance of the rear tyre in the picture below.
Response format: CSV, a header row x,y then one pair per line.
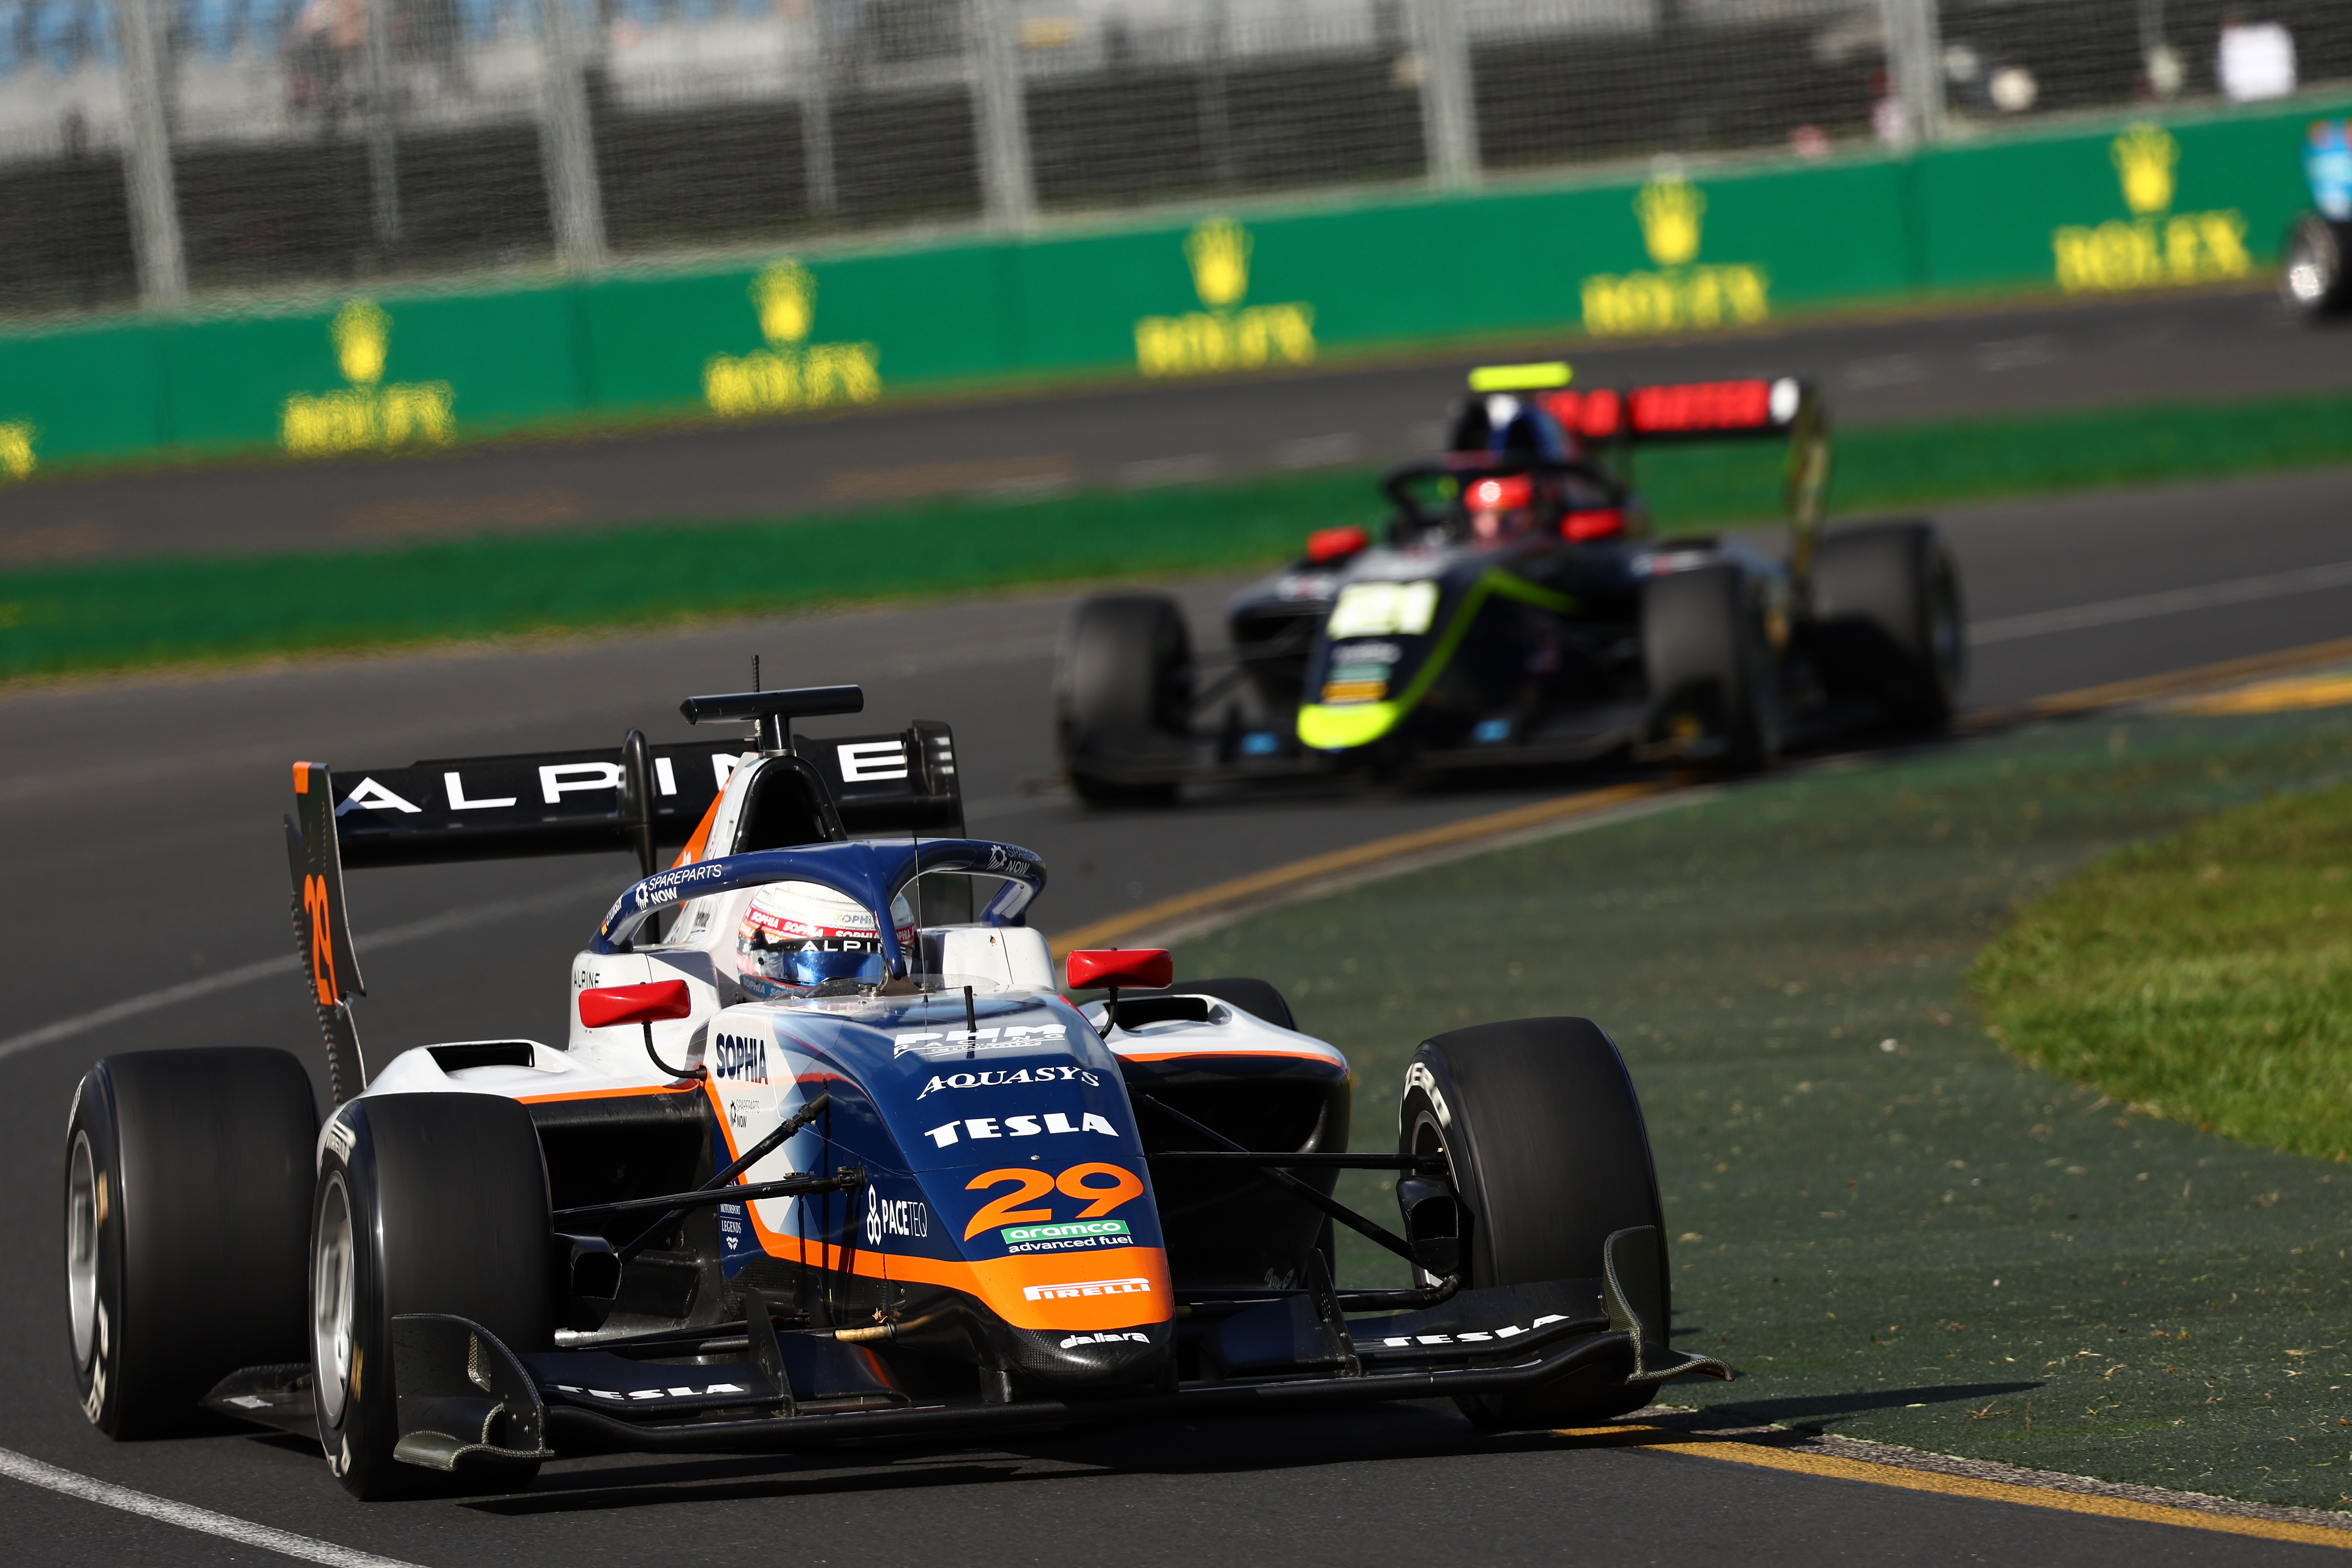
x,y
1539,1126
1887,613
1123,696
187,1183
2314,280
1714,682
425,1202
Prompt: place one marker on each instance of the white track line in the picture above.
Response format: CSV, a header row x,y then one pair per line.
x,y
34,1473
392,936
2142,606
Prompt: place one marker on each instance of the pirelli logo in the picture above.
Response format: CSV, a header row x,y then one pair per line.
x,y
1088,1288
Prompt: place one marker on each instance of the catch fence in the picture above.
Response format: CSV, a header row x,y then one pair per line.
x,y
152,149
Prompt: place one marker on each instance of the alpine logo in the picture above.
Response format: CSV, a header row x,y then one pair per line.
x,y
1079,1288
895,1216
1110,1337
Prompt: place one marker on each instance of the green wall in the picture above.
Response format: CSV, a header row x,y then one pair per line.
x,y
2214,194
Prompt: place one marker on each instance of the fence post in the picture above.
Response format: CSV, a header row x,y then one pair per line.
x,y
1007,189
157,252
567,144
1449,123
384,167
1914,62
816,112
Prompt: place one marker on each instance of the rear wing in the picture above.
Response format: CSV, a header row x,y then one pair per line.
x,y
638,797
1773,408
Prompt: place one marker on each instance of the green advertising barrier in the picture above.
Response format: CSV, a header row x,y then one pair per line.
x,y
2127,205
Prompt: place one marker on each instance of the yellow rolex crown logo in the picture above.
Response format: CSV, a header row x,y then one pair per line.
x,y
1218,250
2144,156
362,331
1670,210
787,295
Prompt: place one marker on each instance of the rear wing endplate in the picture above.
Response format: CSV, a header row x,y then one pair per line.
x,y
638,798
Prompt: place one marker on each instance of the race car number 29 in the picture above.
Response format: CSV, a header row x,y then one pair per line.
x,y
1084,1182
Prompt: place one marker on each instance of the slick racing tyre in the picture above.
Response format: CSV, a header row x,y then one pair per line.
x,y
187,1212
426,1202
1715,680
1123,696
1888,622
2313,280
1548,1156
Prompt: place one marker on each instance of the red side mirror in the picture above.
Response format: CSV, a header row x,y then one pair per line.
x,y
603,1006
1332,544
1149,967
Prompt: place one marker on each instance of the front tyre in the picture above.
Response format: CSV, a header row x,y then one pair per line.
x,y
2313,280
425,1202
1542,1135
1123,697
1714,676
1887,614
187,1175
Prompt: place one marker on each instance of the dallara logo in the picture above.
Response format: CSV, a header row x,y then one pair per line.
x,y
2155,245
1227,334
790,373
366,415
1671,213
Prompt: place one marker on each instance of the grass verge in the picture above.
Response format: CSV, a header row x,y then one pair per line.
x,y
123,615
1893,1228
2207,976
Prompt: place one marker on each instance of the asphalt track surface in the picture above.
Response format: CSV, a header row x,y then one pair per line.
x,y
1998,360
146,856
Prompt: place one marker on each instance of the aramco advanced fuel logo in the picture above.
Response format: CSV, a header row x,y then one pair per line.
x,y
1681,293
790,373
2155,245
1227,336
365,415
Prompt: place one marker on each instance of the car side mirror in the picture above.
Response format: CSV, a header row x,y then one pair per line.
x,y
1149,967
602,1007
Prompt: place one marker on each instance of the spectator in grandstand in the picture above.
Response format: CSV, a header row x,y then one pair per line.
x,y
322,65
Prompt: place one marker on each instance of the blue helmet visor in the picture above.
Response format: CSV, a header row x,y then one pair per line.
x,y
811,961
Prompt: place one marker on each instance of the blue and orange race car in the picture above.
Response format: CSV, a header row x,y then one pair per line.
x,y
819,1153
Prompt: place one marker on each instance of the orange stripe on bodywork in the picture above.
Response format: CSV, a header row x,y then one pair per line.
x,y
1003,1283
1328,1058
302,777
701,840
602,1094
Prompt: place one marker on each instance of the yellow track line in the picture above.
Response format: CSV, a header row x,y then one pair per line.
x,y
1830,1467
2119,692
1298,873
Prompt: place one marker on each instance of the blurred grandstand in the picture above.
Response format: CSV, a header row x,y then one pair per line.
x,y
152,148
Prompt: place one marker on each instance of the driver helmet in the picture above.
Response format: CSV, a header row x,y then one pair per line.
x,y
797,935
1501,507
